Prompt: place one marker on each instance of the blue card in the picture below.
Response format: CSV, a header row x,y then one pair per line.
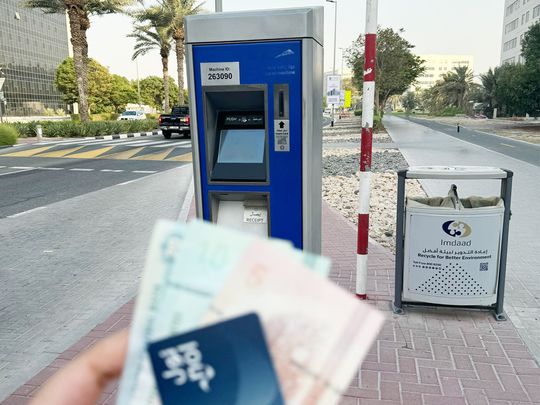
x,y
227,363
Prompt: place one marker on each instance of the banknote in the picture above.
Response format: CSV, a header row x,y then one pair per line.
x,y
318,333
186,267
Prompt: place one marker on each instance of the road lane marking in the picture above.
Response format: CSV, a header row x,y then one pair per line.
x,y
76,169
91,154
26,212
28,152
2,167
123,155
21,167
186,157
49,168
144,171
60,153
111,170
505,144
175,145
154,156
17,171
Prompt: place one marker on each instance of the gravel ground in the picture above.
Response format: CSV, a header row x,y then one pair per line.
x,y
377,138
340,188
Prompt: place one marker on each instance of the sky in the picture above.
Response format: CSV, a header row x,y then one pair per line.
x,y
463,27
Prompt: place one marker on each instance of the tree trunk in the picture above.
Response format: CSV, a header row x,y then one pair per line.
x,y
78,24
180,66
165,63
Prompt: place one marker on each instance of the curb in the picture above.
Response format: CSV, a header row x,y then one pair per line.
x,y
124,136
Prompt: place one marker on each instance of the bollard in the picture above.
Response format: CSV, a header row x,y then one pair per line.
x,y
39,132
458,126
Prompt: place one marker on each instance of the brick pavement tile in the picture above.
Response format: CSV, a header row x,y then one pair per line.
x,y
480,384
421,388
407,365
530,379
361,393
451,387
510,383
390,390
348,401
369,379
26,390
411,398
400,377
485,371
462,361
475,396
16,400
533,390
493,393
443,400
428,375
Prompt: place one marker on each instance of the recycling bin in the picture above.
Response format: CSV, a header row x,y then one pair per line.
x,y
451,251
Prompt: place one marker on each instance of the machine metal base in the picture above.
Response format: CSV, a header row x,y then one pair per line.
x,y
399,310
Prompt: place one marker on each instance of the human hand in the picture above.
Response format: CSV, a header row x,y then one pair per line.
x,y
82,380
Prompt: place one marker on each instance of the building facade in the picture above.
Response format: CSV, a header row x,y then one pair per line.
x,y
438,65
519,15
32,45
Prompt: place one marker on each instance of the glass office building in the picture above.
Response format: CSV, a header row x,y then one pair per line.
x,y
32,45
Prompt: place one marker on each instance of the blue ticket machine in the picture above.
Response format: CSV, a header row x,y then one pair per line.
x,y
255,92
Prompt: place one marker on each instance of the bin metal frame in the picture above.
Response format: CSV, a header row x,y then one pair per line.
x,y
452,173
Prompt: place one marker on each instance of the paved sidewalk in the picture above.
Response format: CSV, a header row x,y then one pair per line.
x,y
424,357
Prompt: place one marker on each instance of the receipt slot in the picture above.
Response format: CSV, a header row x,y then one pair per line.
x,y
255,87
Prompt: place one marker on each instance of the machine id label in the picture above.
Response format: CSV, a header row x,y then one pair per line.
x,y
220,73
281,136
255,215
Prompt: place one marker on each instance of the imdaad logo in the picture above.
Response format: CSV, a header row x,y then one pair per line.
x,y
456,229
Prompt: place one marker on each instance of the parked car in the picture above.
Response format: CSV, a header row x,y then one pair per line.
x,y
132,115
177,122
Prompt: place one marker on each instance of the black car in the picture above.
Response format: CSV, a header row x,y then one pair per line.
x,y
177,122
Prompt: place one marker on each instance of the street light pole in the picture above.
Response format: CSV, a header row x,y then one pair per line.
x,y
335,49
219,6
138,83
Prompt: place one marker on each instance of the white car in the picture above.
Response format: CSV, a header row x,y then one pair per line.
x,y
132,115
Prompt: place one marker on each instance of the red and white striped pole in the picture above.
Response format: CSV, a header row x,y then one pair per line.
x,y
368,103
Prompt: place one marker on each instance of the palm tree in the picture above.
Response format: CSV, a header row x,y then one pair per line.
x,y
176,11
79,12
456,85
489,82
153,32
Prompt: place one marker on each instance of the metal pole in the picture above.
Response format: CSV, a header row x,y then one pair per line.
x,y
219,6
368,103
138,83
334,63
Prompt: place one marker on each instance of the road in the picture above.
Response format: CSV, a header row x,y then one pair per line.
x,y
75,222
526,152
421,145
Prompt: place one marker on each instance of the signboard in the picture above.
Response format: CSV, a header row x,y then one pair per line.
x,y
220,73
333,89
348,99
281,136
2,80
451,258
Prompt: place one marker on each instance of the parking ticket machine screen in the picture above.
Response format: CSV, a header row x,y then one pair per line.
x,y
240,152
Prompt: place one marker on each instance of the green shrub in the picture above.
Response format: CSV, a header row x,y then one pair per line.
x,y
358,113
74,129
8,135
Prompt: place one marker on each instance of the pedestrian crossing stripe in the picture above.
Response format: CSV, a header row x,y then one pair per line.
x,y
172,153
28,152
60,153
154,156
125,155
186,157
90,154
